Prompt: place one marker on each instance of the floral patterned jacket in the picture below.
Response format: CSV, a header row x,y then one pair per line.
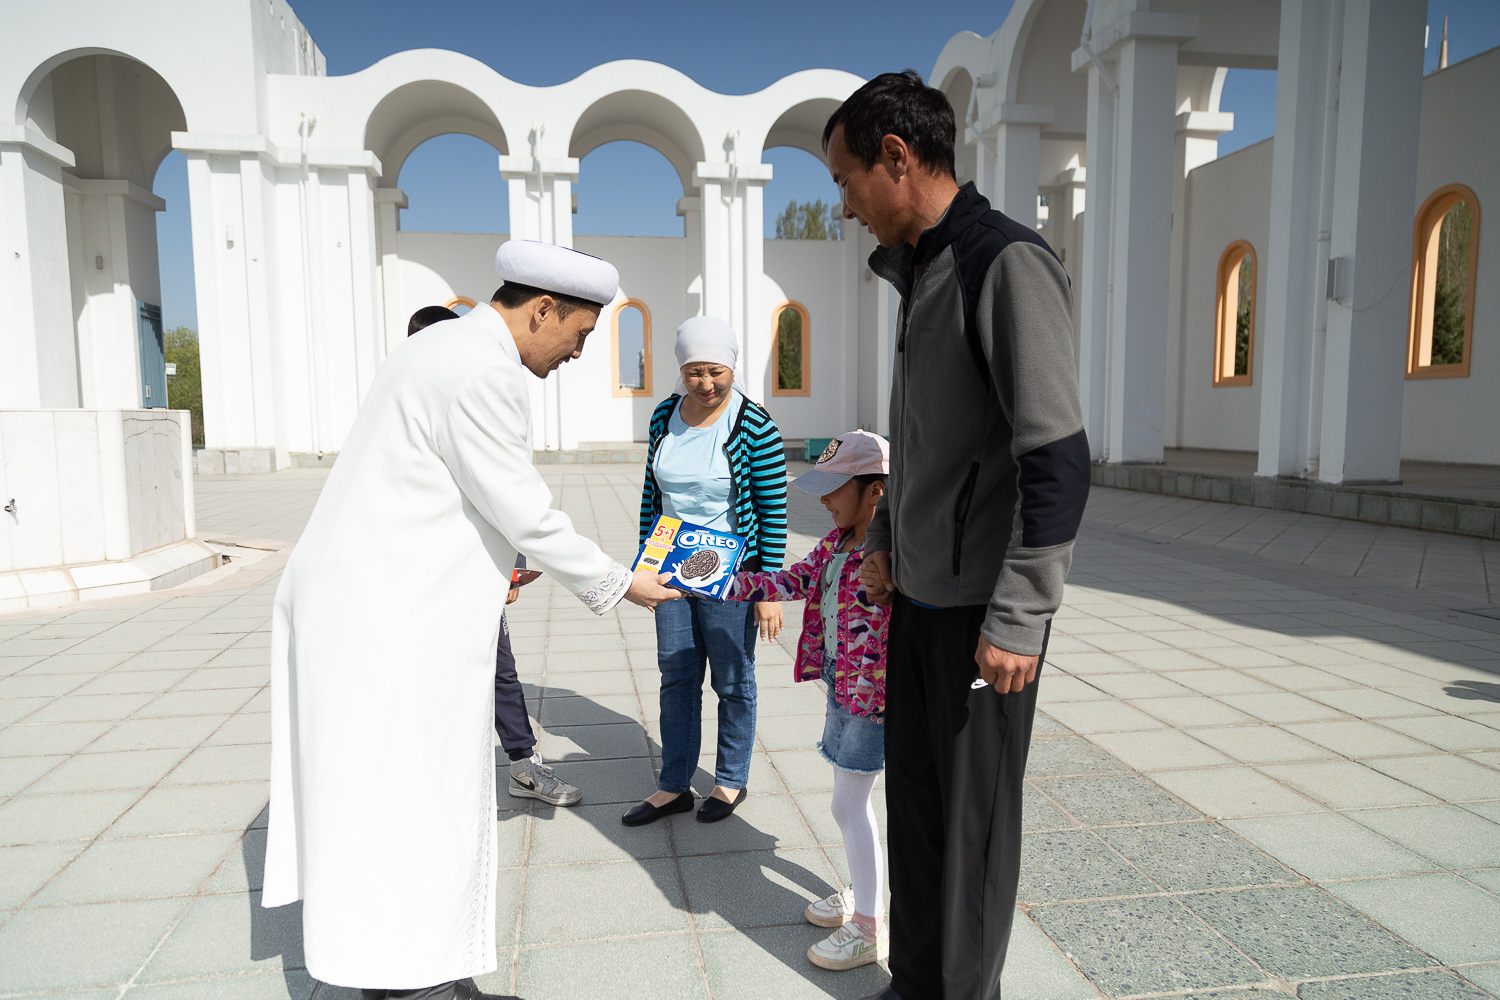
x,y
859,670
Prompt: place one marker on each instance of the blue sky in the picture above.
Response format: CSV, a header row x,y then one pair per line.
x,y
624,188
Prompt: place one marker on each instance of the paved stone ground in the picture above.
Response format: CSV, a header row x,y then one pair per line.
x,y
1268,764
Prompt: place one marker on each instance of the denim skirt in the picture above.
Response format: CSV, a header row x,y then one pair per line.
x,y
850,742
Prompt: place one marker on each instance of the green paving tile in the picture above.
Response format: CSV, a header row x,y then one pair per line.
x,y
1405,986
755,889
1451,919
1186,856
766,962
1453,837
1036,970
1074,864
593,971
633,897
1068,755
1485,976
1146,945
1038,812
1110,799
39,949
1300,932
1326,845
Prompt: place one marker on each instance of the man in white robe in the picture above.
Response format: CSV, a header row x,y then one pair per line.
x,y
382,813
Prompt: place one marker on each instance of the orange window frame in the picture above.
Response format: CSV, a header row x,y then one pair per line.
x,y
614,349
1424,262
459,300
806,389
1226,314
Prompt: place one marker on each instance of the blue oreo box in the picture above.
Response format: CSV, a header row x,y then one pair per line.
x,y
702,561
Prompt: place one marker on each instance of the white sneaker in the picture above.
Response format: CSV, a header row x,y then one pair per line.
x,y
848,948
531,779
835,911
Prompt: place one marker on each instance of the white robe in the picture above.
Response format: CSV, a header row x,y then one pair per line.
x,y
383,660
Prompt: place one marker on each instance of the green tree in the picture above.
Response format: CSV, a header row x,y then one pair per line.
x,y
809,220
789,349
1449,297
1242,316
185,390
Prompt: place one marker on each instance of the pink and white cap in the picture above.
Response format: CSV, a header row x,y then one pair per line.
x,y
858,453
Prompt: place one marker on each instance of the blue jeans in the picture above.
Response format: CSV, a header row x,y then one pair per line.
x,y
689,633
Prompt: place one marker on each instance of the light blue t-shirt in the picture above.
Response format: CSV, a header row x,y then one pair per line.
x,y
830,602
692,469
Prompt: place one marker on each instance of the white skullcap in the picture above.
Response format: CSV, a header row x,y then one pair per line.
x,y
557,269
707,340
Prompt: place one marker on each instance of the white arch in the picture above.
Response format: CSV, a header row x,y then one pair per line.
x,y
415,112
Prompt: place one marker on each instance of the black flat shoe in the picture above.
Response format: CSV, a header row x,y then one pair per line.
x,y
715,808
644,812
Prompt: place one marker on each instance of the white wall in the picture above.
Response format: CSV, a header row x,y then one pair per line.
x,y
1227,200
814,273
92,485
1455,419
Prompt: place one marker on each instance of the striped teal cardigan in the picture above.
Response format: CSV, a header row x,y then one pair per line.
x,y
757,475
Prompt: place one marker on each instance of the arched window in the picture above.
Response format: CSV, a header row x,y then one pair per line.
x,y
1234,319
630,339
792,352
1445,263
459,304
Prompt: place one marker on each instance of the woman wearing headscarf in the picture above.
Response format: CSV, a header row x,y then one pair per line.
x,y
715,458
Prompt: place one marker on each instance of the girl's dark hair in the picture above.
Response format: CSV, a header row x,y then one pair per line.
x,y
898,104
426,316
513,294
865,479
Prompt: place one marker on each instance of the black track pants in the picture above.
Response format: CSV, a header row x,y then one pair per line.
x,y
955,759
511,721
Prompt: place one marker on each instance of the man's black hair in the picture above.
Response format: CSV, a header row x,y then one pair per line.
x,y
898,104
513,294
426,316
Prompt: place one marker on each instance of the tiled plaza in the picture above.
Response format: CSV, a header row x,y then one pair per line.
x,y
1267,765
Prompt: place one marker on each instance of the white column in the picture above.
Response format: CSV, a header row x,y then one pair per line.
x,y
39,367
1197,143
1018,158
1092,287
732,201
388,205
1347,117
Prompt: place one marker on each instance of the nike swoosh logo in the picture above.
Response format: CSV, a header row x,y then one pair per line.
x,y
979,682
524,784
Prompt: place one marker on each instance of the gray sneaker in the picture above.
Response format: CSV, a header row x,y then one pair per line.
x,y
531,779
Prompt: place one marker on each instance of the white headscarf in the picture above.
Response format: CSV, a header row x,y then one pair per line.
x,y
707,340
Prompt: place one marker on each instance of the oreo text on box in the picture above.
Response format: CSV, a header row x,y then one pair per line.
x,y
702,561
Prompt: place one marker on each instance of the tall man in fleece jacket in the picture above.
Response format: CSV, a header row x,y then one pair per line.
x,y
972,542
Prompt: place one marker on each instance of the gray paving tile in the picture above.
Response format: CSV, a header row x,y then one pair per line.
x,y
24,870
1188,856
89,708
816,811
1111,799
1300,932
243,869
595,833
1101,717
1403,986
561,743
95,772
193,808
20,772
221,935
1261,744
1069,755
39,819
1325,846
1345,784
1485,976
291,984
636,897
1195,710
592,970
1281,707
757,888
1452,778
1420,908
625,781
1226,792
1144,945
1159,750
1368,703
1037,970
192,703
1357,738
778,958
1039,813
1453,837
223,763
39,948
246,727
761,822
152,867
1444,732
26,740
151,734
604,709
1074,864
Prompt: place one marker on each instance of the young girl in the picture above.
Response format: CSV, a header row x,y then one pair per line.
x,y
843,642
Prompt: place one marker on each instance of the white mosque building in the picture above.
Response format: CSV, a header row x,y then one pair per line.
x,y
1319,299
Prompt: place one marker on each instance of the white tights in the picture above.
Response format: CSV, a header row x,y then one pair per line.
x,y
855,815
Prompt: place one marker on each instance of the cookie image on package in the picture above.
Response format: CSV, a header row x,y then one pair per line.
x,y
700,565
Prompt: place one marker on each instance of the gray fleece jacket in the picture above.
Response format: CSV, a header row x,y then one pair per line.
x,y
989,462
